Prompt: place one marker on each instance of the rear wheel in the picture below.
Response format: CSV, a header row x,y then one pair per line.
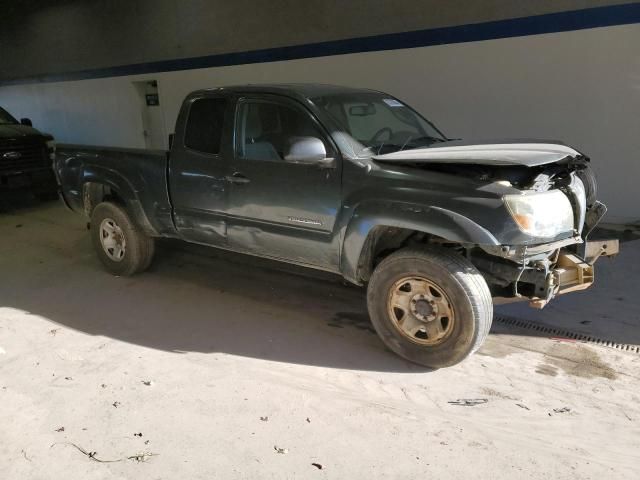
x,y
430,306
121,246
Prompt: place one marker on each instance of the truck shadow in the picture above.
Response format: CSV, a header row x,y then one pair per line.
x,y
252,307
190,302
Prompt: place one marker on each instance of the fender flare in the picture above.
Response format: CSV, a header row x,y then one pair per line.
x,y
93,175
359,236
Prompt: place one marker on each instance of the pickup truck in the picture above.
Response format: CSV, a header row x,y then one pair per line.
x,y
357,183
26,157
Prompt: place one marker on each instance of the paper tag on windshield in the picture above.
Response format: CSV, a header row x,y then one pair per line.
x,y
392,102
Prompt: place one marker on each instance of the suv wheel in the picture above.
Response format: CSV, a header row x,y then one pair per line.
x,y
430,306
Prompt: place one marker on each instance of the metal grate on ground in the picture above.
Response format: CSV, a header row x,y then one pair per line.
x,y
564,333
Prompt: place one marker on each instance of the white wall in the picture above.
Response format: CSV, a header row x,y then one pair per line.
x,y
94,112
582,87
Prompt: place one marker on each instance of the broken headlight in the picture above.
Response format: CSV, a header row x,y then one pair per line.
x,y
541,214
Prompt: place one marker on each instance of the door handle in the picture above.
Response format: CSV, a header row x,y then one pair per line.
x,y
237,179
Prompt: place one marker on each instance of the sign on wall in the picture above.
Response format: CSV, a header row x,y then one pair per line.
x,y
152,99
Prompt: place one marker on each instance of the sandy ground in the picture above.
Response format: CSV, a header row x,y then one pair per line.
x,y
212,363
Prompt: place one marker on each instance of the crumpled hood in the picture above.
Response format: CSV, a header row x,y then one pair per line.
x,y
529,153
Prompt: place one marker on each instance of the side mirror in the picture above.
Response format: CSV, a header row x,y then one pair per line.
x,y
26,121
308,151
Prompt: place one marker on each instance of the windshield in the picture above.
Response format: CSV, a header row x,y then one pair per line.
x,y
373,124
5,118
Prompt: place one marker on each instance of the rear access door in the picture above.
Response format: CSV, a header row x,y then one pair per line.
x,y
278,208
199,162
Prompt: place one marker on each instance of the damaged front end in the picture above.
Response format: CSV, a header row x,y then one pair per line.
x,y
539,273
548,210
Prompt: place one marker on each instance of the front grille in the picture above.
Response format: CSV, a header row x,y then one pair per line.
x,y
32,155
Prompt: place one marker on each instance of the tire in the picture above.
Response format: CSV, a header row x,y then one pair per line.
x,y
460,313
128,250
149,254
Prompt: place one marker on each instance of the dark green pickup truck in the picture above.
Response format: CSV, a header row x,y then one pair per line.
x,y
357,183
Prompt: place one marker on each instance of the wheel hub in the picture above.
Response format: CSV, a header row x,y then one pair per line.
x,y
421,310
112,239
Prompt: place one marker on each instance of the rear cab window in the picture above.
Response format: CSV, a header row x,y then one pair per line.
x,y
203,131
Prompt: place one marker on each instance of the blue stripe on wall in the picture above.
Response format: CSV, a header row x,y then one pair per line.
x,y
517,27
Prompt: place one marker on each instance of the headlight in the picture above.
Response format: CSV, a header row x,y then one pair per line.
x,y
541,214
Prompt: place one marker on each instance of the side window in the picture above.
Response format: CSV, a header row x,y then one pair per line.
x,y
204,125
267,129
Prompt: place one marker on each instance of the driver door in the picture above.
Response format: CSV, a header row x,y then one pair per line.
x,y
277,208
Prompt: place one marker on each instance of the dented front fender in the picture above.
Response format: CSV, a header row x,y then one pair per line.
x,y
436,221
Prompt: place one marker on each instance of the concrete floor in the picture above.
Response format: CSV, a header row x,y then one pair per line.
x,y
214,362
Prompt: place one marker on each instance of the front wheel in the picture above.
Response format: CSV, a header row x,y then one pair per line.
x,y
430,306
121,246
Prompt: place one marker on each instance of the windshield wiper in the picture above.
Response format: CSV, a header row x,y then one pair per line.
x,y
408,145
426,138
378,148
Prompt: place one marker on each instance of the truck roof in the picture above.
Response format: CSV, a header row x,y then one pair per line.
x,y
297,90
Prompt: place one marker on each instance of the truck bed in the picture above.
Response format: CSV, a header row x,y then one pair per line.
x,y
139,174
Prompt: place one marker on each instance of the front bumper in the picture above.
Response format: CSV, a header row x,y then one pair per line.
x,y
35,178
